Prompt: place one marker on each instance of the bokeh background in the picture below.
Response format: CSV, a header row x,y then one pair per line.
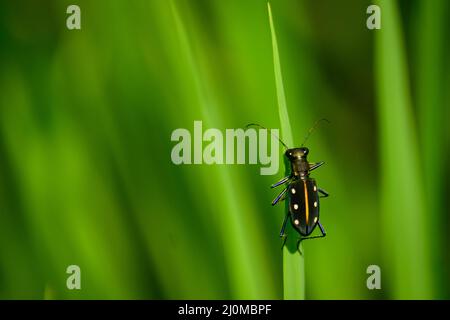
x,y
86,176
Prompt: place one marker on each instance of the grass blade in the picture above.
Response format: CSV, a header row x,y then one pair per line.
x,y
402,207
431,33
243,252
293,262
282,107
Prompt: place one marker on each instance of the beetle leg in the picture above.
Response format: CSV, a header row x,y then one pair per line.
x,y
284,241
285,179
282,234
298,246
284,226
313,166
275,201
322,230
323,192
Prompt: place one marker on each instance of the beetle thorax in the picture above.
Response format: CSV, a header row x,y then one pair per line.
x,y
300,167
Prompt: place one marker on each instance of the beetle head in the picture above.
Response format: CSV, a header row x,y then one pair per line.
x,y
297,153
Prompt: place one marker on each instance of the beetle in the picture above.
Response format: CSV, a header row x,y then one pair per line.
x,y
302,192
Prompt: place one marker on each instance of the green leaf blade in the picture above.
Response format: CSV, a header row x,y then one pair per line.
x,y
293,262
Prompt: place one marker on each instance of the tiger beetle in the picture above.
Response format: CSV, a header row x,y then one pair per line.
x,y
302,192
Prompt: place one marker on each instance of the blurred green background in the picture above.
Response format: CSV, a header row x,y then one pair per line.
x,y
86,176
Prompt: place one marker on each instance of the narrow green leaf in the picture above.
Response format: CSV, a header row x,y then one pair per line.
x,y
249,279
282,107
404,223
431,34
293,262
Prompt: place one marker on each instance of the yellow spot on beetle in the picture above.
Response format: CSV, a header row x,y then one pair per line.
x,y
296,222
306,202
315,204
293,191
295,206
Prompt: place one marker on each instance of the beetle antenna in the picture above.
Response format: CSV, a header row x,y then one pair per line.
x,y
260,126
313,128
